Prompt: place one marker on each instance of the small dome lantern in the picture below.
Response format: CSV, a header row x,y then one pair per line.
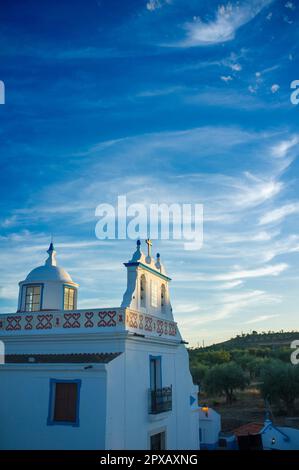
x,y
48,287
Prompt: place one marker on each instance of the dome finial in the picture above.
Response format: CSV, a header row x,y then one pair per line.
x,y
51,261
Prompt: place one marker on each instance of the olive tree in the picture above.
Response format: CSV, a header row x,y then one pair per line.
x,y
224,379
280,383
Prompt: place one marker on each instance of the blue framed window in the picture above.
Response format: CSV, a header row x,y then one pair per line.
x,y
64,402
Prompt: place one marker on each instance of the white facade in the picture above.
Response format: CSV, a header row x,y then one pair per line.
x,y
209,428
128,364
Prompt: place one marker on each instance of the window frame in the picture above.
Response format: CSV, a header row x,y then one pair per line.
x,y
24,296
69,286
51,410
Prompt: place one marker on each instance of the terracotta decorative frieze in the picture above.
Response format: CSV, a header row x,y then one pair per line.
x,y
150,324
89,320
70,320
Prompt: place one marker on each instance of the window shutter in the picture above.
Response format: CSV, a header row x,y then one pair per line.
x,y
65,408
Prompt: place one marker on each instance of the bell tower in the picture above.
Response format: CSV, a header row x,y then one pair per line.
x,y
147,284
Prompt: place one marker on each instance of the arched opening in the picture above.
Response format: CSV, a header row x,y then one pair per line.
x,y
143,291
163,297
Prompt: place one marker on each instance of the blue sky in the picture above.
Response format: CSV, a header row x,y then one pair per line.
x,y
164,101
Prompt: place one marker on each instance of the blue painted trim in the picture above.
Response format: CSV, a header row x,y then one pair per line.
x,y
71,287
192,400
23,298
151,357
50,420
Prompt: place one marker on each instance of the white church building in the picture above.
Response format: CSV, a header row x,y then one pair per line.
x,y
98,378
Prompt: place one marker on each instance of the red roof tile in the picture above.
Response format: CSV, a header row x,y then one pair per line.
x,y
75,358
249,428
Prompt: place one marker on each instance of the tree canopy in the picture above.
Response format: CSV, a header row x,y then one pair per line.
x,y
280,383
224,379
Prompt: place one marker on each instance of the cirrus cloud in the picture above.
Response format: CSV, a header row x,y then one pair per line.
x,y
279,214
228,19
270,270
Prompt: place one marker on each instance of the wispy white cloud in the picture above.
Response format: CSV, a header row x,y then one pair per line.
x,y
187,307
236,67
281,148
230,285
287,20
153,5
270,270
280,213
233,298
228,19
9,221
226,78
261,318
274,88
159,92
228,238
290,5
232,99
257,190
252,89
9,292
284,246
259,79
231,305
233,61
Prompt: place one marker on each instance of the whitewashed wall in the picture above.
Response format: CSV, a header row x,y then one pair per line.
x,y
24,399
129,424
210,428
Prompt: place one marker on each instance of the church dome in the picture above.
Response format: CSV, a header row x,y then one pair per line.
x,y
49,271
48,287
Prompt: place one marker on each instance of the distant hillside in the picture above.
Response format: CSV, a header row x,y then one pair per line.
x,y
256,340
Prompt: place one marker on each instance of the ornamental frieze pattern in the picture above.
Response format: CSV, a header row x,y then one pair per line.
x,y
148,323
87,320
68,321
